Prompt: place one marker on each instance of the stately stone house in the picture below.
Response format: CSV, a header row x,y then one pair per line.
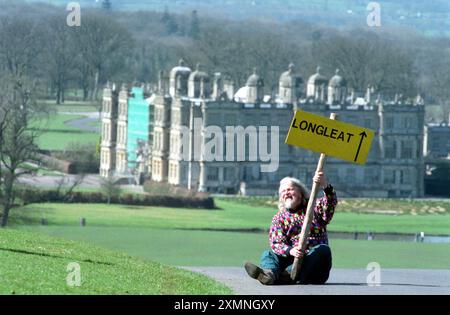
x,y
161,141
437,140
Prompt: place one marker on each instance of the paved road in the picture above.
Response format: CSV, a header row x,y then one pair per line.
x,y
85,122
89,181
341,281
92,181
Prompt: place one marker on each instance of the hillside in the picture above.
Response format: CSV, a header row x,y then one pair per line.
x,y
37,264
430,18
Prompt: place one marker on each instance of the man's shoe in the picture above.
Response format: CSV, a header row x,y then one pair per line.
x,y
264,276
285,278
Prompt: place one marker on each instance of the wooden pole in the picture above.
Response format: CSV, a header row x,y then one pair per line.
x,y
296,266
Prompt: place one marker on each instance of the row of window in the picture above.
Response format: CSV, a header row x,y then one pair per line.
x,y
400,193
399,122
159,114
123,109
106,132
212,173
121,134
350,175
371,175
105,157
158,141
393,149
121,161
157,168
266,119
175,144
437,143
217,144
398,176
251,173
406,149
107,106
173,171
176,117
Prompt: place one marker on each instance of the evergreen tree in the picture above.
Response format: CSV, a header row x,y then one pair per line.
x,y
106,5
171,26
169,22
194,31
166,17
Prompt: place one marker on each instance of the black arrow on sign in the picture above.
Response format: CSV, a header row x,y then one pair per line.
x,y
363,135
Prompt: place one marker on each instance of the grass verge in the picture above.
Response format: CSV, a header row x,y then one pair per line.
x,y
37,264
233,215
395,206
56,135
211,248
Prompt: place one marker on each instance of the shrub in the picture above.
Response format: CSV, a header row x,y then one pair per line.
x,y
165,189
39,196
56,164
82,157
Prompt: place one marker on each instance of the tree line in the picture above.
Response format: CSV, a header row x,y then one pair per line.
x,y
135,46
42,57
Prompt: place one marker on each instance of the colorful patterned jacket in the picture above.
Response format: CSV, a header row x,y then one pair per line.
x,y
286,226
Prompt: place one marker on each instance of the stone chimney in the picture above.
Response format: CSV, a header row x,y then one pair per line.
x,y
228,86
217,85
368,94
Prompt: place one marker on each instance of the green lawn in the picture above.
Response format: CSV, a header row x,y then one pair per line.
x,y
40,170
94,124
56,135
233,215
212,248
37,264
71,106
77,108
177,236
368,205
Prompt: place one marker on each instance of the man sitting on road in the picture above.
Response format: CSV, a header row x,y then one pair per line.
x,y
285,233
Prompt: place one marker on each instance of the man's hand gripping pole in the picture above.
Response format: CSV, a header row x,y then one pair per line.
x,y
296,266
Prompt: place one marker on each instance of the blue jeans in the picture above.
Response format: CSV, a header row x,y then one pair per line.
x,y
315,269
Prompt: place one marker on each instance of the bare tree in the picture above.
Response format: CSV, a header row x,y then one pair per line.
x,y
18,142
436,79
102,42
62,55
367,60
3,116
20,51
110,188
19,45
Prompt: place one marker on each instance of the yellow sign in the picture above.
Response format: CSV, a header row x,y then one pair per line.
x,y
332,137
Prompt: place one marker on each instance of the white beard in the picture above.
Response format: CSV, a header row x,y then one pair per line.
x,y
288,204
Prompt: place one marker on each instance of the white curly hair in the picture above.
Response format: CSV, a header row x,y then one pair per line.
x,y
295,182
